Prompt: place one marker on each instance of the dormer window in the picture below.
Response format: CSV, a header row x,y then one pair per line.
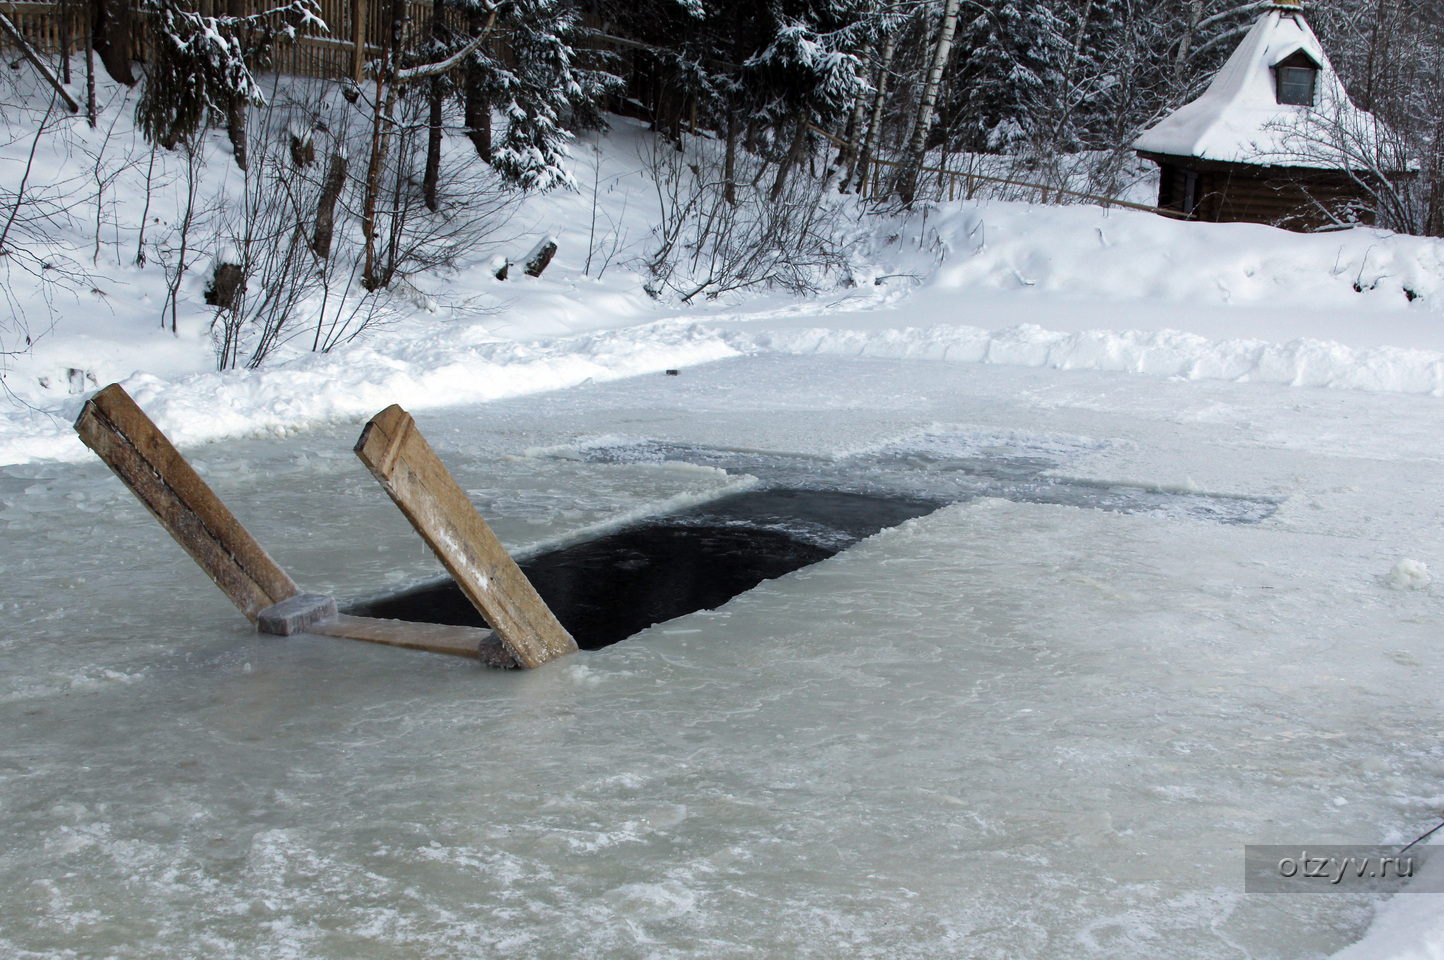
x,y
1298,75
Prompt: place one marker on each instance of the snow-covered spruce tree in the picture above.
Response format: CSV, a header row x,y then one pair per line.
x,y
760,71
540,89
806,76
775,71
201,70
543,94
1012,60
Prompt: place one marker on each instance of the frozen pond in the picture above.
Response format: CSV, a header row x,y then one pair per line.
x,y
608,586
1041,721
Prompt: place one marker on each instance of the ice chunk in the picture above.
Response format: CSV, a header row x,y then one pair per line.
x,y
1408,575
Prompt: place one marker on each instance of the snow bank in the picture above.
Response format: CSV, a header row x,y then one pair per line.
x,y
1085,252
1409,926
1167,353
441,370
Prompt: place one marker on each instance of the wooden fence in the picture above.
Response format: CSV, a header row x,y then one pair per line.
x,y
965,182
357,31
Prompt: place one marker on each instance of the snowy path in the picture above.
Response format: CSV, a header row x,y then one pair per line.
x,y
1003,729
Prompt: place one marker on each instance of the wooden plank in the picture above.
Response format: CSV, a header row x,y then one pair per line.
x,y
296,614
145,461
400,458
431,637
40,66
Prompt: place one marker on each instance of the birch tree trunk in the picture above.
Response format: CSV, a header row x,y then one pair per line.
x,y
380,136
847,154
874,123
917,147
1185,45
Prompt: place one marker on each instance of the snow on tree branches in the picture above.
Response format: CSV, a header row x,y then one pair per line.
x,y
202,66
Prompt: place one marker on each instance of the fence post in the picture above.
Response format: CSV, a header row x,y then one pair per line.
x,y
358,40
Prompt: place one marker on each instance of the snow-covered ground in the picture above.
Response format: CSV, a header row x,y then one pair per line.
x,y
1004,729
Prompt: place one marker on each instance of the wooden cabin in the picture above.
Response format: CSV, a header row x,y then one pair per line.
x,y
1255,147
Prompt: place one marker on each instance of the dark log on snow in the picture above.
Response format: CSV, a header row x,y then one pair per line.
x,y
540,257
326,206
226,282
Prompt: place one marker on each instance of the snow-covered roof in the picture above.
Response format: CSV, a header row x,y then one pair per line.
x,y
1239,119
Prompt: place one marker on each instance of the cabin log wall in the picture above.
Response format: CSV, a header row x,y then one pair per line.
x,y
1289,197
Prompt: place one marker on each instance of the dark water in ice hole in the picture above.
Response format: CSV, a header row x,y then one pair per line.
x,y
608,588
605,589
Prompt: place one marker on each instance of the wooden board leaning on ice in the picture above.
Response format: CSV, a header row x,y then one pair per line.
x,y
526,633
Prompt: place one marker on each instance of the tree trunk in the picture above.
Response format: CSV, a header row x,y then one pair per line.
x,y
799,140
236,109
478,120
874,123
847,153
326,206
385,102
90,79
433,128
1371,67
1185,46
478,105
66,14
433,147
729,160
236,128
112,33
917,147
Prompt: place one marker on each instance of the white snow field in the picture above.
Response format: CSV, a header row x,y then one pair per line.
x,y
1005,729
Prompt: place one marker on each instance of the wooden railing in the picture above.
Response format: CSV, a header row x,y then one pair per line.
x,y
356,33
968,180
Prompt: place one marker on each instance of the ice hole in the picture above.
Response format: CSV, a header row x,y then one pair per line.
x,y
607,588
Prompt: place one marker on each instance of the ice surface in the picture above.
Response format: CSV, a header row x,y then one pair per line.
x,y
1005,729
